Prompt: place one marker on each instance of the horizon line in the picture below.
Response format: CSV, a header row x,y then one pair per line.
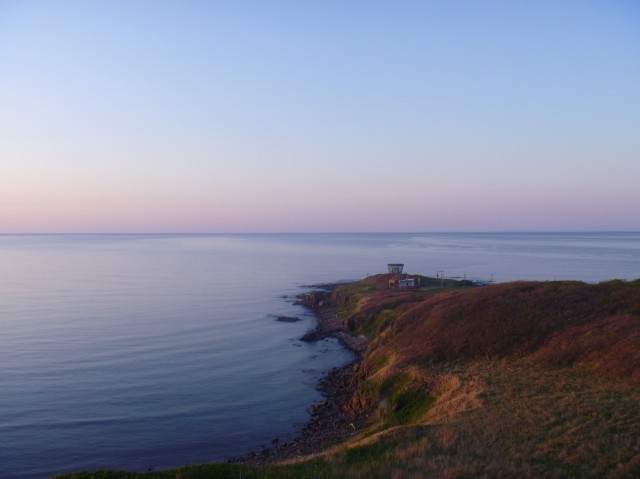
x,y
229,233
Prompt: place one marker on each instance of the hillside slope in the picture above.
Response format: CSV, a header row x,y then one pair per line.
x,y
526,377
596,327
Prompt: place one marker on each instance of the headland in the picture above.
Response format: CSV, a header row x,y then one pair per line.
x,y
523,379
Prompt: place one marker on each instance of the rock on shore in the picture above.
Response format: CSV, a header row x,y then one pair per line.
x,y
338,416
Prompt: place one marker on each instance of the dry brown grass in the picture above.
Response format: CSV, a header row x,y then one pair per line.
x,y
563,323
529,379
500,419
455,397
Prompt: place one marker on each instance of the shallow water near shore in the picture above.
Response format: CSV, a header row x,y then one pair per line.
x,y
154,351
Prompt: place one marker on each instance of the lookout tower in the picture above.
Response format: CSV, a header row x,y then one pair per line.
x,y
395,268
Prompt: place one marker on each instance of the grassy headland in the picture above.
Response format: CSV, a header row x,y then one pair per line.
x,y
525,379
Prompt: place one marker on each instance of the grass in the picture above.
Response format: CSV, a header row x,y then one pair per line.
x,y
409,407
526,420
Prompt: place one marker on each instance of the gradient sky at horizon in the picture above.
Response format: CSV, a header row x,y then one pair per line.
x,y
290,116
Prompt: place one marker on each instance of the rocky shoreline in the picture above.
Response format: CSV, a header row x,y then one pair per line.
x,y
337,416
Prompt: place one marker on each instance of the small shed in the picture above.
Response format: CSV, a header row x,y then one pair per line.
x,y
404,281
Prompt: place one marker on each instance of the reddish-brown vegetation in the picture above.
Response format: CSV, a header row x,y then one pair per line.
x,y
560,323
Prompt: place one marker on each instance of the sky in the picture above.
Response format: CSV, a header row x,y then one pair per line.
x,y
319,116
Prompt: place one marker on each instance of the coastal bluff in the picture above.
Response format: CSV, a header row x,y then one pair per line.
x,y
522,379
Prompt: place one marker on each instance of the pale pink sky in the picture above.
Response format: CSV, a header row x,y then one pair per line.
x,y
408,116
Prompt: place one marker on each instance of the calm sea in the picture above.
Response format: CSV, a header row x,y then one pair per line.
x,y
153,351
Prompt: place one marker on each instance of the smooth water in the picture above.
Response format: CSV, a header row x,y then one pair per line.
x,y
153,351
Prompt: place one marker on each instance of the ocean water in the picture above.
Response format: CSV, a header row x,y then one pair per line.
x,y
154,351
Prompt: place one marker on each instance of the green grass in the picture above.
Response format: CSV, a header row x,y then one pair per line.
x,y
317,468
410,406
378,324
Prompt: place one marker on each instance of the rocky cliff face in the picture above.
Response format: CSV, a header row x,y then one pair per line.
x,y
315,299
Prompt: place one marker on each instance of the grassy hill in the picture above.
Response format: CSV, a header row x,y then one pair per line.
x,y
520,379
562,323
